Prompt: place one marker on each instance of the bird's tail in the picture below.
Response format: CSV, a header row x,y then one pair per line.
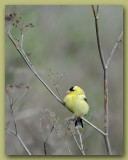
x,y
78,122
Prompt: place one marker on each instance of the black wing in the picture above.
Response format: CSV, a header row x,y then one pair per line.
x,y
86,100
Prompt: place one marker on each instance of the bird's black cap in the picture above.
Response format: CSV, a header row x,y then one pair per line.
x,y
71,89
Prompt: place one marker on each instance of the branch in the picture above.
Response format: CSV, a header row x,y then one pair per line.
x,y
21,43
92,125
45,151
106,91
114,48
81,142
78,144
68,148
20,140
108,147
97,12
106,123
23,54
97,36
12,102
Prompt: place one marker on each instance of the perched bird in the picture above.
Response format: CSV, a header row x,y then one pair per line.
x,y
76,102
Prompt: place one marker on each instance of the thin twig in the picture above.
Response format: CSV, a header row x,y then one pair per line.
x,y
78,144
12,102
98,38
20,140
56,87
23,54
81,142
68,148
93,9
21,51
114,48
45,142
106,123
92,125
45,151
108,147
97,12
22,37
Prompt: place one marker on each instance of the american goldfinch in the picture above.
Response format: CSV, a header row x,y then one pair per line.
x,y
76,102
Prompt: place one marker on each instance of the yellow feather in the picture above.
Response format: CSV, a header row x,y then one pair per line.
x,y
76,102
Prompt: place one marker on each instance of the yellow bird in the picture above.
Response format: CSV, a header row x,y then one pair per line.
x,y
76,102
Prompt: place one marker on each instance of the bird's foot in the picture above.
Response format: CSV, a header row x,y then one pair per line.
x,y
73,118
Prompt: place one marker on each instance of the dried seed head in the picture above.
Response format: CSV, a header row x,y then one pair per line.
x,y
28,87
28,53
17,21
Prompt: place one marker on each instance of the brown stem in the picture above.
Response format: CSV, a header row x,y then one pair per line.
x,y
108,147
106,123
114,48
92,125
23,54
20,140
98,37
105,101
45,142
27,61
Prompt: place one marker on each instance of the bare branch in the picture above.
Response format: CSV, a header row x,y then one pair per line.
x,y
51,116
78,144
45,151
108,147
21,51
97,12
97,129
68,148
98,38
12,102
20,140
93,9
114,48
81,142
106,124
22,37
108,144
45,142
23,54
56,87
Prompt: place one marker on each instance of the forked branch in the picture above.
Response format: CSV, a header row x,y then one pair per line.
x,y
80,146
97,35
30,65
119,40
108,147
20,140
12,101
105,67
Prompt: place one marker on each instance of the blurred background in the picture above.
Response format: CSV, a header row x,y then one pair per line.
x,y
63,48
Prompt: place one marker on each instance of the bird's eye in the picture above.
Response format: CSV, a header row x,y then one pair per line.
x,y
86,100
72,89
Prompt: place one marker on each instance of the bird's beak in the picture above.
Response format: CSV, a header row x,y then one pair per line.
x,y
68,92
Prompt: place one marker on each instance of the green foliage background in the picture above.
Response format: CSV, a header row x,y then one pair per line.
x,y
64,41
